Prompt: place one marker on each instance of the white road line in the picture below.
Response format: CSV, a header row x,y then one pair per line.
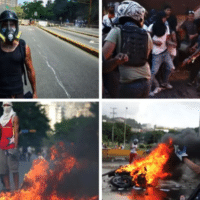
x,y
38,45
59,82
93,42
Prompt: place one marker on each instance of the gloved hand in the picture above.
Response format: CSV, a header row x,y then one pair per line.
x,y
180,154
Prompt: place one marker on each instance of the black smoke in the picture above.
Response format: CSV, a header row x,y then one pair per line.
x,y
191,141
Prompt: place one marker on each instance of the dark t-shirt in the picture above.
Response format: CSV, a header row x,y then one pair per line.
x,y
172,21
189,27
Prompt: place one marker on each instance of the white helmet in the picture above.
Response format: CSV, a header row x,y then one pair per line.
x,y
135,141
131,9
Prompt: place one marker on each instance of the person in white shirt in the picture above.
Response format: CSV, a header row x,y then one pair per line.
x,y
107,22
133,152
160,36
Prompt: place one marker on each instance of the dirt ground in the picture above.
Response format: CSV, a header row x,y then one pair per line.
x,y
180,89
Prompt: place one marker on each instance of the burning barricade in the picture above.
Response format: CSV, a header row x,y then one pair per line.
x,y
145,171
46,178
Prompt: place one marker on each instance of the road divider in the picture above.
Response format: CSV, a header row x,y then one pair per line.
x,y
83,33
73,42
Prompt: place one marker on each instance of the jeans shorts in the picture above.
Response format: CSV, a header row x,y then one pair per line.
x,y
9,162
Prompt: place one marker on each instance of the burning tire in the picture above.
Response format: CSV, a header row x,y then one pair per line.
x,y
121,181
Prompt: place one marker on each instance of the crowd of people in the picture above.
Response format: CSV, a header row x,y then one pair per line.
x,y
140,53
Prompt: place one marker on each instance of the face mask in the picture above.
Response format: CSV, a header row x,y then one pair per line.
x,y
3,30
7,109
9,33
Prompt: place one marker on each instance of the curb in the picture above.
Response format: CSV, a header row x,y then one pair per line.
x,y
90,50
96,36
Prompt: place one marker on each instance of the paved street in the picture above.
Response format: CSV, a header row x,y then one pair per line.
x,y
84,39
94,31
167,190
62,70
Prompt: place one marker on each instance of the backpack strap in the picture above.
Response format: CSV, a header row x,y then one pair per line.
x,y
22,47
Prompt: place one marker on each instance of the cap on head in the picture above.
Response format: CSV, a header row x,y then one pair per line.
x,y
7,103
132,10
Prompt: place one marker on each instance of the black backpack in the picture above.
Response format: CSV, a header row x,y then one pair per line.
x,y
135,45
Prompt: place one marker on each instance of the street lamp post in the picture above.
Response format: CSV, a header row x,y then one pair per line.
x,y
35,14
125,128
113,113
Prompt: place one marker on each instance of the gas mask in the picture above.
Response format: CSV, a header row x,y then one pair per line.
x,y
9,32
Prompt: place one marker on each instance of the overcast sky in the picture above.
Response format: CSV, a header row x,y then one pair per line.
x,y
171,114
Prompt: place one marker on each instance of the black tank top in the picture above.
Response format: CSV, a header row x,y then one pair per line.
x,y
11,72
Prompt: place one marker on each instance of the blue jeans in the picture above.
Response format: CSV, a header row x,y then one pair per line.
x,y
157,60
137,89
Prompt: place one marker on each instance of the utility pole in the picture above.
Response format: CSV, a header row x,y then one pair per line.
x,y
125,128
113,113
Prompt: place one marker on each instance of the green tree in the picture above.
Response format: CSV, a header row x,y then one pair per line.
x,y
20,12
153,136
31,116
49,10
118,132
82,131
32,7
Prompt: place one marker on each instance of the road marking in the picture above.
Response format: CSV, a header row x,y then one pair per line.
x,y
93,42
59,82
39,46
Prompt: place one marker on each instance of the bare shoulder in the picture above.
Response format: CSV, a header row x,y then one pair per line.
x,y
27,48
28,52
16,119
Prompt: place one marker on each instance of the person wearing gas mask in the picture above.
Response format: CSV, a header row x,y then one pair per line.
x,y
9,123
14,54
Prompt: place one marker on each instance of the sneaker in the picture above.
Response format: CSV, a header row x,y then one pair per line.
x,y
167,86
157,90
151,94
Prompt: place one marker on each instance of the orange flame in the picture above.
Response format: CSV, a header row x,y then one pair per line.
x,y
43,173
151,167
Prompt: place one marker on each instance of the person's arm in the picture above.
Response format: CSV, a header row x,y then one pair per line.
x,y
16,130
192,57
170,41
110,65
193,36
108,49
191,165
30,71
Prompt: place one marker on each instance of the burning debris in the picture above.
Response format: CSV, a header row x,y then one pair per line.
x,y
148,171
48,179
